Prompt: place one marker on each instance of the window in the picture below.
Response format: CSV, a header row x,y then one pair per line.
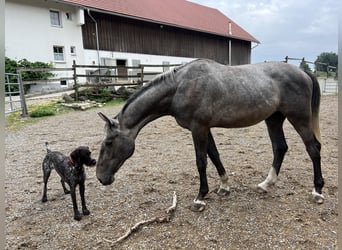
x,y
58,53
55,19
72,50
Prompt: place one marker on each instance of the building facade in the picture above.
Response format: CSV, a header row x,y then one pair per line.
x,y
121,33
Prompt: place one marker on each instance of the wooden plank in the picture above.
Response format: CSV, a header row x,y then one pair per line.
x,y
47,80
108,84
43,69
109,76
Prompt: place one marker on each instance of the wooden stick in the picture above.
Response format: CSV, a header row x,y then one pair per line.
x,y
162,219
174,204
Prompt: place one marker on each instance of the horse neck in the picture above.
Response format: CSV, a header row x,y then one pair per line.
x,y
148,104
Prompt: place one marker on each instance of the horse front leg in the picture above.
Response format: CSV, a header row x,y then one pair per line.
x,y
200,139
215,158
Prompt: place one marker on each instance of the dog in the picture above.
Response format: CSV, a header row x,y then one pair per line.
x,y
71,171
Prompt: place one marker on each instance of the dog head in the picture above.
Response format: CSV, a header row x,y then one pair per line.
x,y
82,155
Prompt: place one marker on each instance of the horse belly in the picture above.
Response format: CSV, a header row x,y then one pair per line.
x,y
242,119
244,114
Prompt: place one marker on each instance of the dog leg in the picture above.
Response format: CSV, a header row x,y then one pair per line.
x,y
77,215
84,207
66,191
46,173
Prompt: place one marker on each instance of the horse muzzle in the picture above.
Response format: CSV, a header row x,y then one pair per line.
x,y
107,180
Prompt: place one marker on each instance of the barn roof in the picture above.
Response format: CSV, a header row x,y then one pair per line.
x,y
179,13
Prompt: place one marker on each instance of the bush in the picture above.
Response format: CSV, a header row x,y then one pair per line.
x,y
12,65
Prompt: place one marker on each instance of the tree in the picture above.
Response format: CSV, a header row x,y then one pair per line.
x,y
305,66
12,65
326,59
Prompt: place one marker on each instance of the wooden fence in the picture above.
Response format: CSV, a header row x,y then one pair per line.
x,y
103,76
328,67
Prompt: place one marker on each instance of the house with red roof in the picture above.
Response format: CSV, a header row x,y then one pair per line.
x,y
122,32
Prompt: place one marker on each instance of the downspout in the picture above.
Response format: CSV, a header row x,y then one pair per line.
x,y
97,38
230,44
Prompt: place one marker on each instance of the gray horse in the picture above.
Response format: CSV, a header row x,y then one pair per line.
x,y
203,94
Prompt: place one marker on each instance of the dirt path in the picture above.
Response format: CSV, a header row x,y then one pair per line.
x,y
162,163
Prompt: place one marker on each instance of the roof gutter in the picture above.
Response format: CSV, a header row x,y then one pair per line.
x,y
256,45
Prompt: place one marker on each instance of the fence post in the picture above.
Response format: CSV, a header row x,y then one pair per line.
x,y
142,74
75,79
24,112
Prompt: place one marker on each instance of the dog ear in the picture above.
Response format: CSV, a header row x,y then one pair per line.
x,y
75,156
112,122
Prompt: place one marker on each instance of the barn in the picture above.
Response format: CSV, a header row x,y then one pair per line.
x,y
168,28
120,33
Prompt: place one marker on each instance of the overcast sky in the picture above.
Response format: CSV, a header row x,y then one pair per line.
x,y
294,28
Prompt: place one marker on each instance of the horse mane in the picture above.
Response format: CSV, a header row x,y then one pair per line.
x,y
151,84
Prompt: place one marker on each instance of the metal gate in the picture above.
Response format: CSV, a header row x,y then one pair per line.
x,y
14,94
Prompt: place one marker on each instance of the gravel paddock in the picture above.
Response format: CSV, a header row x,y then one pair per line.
x,y
163,162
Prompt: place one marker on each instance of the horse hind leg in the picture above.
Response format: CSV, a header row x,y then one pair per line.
x,y
275,130
313,147
215,158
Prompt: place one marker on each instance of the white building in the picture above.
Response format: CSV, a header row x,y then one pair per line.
x,y
50,31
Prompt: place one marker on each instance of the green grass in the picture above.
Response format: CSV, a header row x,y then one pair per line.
x,y
36,113
44,110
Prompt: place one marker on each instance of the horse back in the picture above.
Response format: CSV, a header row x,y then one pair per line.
x,y
238,96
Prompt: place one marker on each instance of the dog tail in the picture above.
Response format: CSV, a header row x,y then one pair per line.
x,y
47,147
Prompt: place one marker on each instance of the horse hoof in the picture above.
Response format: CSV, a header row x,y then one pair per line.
x,y
261,190
223,192
317,198
198,206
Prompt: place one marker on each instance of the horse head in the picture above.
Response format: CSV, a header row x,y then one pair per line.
x,y
116,148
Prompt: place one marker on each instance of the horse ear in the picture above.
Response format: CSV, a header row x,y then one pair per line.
x,y
111,122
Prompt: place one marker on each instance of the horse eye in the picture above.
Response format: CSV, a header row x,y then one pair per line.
x,y
108,142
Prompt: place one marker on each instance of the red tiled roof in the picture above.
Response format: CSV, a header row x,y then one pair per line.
x,y
180,13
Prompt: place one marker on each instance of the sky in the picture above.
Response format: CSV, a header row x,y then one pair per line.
x,y
293,28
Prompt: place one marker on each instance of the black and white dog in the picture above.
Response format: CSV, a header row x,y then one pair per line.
x,y
71,171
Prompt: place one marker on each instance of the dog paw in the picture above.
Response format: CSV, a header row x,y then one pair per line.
x,y
85,212
77,216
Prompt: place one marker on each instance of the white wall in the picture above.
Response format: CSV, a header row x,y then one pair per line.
x,y
90,57
29,35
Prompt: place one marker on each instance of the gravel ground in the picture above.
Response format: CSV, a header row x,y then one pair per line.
x,y
164,161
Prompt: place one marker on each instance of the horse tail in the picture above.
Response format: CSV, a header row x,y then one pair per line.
x,y
315,103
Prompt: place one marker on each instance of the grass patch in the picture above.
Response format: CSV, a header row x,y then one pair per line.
x,y
43,110
35,113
